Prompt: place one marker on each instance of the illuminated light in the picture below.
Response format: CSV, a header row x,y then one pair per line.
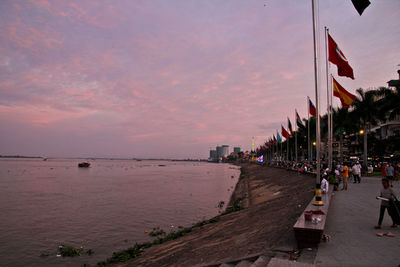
x,y
361,131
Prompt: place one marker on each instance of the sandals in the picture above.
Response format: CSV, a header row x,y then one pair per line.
x,y
389,234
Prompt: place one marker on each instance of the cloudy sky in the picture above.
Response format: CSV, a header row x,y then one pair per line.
x,y
173,78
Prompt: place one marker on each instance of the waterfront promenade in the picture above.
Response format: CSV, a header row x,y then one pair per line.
x,y
351,220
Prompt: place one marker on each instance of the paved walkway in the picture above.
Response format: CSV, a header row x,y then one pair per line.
x,y
351,219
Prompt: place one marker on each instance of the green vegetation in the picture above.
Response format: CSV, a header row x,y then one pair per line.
x,y
69,251
125,255
235,207
157,232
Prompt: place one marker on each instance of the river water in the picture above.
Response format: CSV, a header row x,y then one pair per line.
x,y
105,208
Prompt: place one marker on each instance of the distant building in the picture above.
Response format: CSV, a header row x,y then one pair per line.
x,y
395,83
225,151
219,151
213,154
236,149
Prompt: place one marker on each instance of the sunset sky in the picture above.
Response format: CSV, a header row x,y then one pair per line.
x,y
170,79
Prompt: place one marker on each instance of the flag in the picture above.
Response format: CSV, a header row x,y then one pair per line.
x,y
290,126
285,133
337,57
312,109
361,5
345,97
278,137
298,120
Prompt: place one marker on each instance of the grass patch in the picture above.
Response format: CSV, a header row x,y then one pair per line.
x,y
157,232
235,207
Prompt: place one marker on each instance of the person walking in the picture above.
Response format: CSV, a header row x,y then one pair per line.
x,y
324,184
337,179
386,195
356,170
390,173
345,175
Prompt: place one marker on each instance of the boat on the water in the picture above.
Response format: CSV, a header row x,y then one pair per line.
x,y
84,165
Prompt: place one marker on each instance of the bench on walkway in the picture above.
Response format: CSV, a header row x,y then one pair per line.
x,y
307,233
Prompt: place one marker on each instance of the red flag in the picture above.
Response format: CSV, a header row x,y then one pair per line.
x,y
312,109
285,133
337,57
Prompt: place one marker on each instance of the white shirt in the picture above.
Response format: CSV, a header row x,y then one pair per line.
x,y
324,185
356,169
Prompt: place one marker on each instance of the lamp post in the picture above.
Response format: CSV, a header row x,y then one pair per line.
x,y
314,145
365,156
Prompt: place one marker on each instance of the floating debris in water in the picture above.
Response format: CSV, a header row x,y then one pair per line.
x,y
44,254
69,251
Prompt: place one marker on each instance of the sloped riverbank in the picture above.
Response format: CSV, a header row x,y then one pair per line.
x,y
272,199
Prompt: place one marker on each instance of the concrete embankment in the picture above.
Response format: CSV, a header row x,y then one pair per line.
x,y
272,200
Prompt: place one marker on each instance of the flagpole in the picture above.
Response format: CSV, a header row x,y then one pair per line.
x,y
331,107
329,102
308,124
295,137
318,193
287,149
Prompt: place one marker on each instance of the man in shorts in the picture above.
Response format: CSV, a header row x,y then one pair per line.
x,y
390,173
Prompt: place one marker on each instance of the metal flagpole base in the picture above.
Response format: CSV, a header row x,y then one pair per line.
x,y
318,196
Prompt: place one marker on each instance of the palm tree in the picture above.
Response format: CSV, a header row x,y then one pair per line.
x,y
389,103
342,123
368,110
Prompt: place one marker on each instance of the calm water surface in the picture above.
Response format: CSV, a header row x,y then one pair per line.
x,y
106,207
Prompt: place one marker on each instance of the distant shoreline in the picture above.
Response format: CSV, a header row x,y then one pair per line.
x,y
20,157
99,158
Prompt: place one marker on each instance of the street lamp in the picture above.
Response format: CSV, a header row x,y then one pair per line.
x,y
314,143
361,131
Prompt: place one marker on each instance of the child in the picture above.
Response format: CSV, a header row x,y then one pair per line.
x,y
386,192
324,185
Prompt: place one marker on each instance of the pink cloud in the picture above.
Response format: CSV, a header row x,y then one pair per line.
x,y
146,75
